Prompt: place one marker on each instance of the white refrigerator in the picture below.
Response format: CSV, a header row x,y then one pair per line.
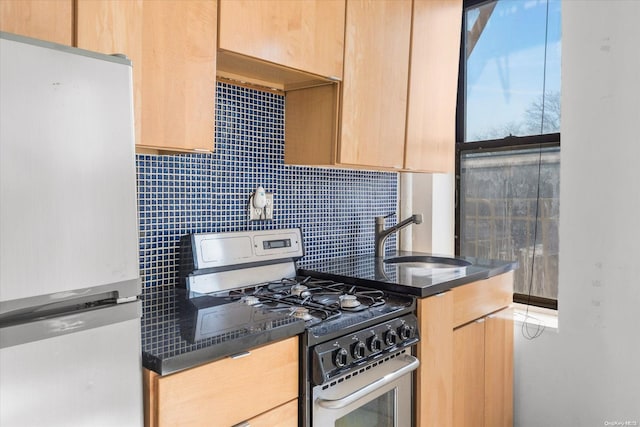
x,y
70,351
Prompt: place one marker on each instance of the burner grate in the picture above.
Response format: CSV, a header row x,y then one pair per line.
x,y
321,295
326,306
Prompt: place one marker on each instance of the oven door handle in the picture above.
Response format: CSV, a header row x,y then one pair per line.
x,y
411,365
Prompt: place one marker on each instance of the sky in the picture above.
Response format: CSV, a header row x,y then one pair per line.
x,y
506,71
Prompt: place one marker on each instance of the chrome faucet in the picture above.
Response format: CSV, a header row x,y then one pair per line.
x,y
382,234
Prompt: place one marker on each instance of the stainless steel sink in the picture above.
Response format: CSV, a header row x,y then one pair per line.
x,y
427,262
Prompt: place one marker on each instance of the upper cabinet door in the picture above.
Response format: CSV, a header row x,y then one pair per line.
x,y
114,26
179,74
50,20
172,47
305,35
433,87
376,72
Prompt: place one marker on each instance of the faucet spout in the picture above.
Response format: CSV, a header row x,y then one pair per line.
x,y
381,234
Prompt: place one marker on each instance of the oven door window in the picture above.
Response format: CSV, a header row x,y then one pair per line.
x,y
380,412
379,396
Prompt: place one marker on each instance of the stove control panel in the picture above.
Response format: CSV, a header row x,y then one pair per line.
x,y
214,262
336,357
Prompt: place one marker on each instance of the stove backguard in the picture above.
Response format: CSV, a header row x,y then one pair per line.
x,y
213,262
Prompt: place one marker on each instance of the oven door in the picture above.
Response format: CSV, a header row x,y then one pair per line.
x,y
378,394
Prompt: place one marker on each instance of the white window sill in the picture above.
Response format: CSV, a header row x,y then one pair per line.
x,y
535,316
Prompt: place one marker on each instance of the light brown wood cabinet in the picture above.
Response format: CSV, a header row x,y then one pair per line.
x,y
302,35
374,91
50,20
483,353
434,391
283,416
468,375
261,388
433,86
172,47
395,109
483,372
498,369
178,66
466,353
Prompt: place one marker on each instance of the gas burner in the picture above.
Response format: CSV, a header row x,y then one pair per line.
x,y
301,313
348,301
251,300
300,290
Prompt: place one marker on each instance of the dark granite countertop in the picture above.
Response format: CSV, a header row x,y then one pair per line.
x,y
367,270
180,333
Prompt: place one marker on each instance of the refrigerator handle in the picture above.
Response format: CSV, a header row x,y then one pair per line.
x,y
123,291
43,328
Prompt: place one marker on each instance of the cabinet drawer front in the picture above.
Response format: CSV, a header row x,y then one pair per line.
x,y
232,390
480,298
282,416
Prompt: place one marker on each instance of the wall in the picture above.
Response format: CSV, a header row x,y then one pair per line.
x,y
209,192
432,195
587,373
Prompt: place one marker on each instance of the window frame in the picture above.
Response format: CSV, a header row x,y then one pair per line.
x,y
509,143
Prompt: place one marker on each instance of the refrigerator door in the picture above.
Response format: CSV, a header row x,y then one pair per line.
x,y
86,374
70,351
68,216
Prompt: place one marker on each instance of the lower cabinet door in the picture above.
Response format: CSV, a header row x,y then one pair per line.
x,y
483,371
434,390
498,363
468,374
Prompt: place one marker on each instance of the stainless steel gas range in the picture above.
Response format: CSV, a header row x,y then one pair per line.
x,y
356,361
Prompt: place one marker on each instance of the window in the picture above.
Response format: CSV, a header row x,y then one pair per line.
x,y
508,133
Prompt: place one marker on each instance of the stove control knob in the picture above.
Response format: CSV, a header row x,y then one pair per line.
x,y
358,349
404,332
390,337
340,357
375,344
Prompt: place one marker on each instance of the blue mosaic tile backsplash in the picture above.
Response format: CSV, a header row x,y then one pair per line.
x,y
187,193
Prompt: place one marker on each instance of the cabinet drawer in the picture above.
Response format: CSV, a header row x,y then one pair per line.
x,y
229,391
282,416
480,298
